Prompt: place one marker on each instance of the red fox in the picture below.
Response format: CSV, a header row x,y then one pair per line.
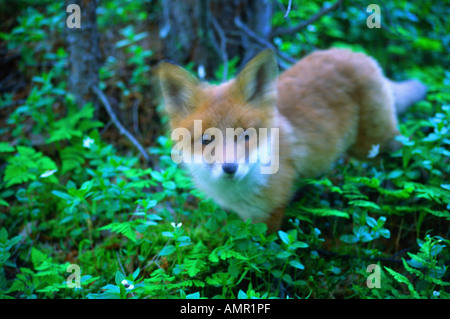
x,y
329,103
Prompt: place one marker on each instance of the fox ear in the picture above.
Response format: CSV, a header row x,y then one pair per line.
x,y
257,81
179,89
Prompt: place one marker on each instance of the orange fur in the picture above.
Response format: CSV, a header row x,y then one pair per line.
x,y
330,103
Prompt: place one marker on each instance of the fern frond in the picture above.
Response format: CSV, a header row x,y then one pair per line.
x,y
125,228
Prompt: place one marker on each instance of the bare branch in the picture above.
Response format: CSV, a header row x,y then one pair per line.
x,y
136,117
304,24
288,9
223,46
117,123
264,42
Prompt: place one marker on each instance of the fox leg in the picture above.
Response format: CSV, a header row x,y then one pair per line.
x,y
274,221
377,123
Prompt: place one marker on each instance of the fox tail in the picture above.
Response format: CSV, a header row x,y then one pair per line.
x,y
407,93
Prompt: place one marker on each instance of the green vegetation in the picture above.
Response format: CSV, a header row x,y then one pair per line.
x,y
73,191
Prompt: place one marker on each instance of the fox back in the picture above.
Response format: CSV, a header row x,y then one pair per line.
x,y
330,103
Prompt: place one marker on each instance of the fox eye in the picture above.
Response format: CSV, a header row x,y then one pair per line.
x,y
206,139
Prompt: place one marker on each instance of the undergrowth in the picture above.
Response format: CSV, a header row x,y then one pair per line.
x,y
72,203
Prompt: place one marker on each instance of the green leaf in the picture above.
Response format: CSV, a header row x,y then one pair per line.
x,y
425,43
169,249
397,193
298,244
296,264
349,239
195,295
241,294
372,222
364,203
371,182
381,221
136,273
429,192
125,228
3,203
3,235
284,237
157,176
385,233
26,166
443,213
395,174
283,254
168,234
118,280
63,195
15,240
169,185
37,257
6,148
326,212
140,36
402,279
224,252
194,266
123,43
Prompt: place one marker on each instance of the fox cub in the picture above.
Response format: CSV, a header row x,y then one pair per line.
x,y
331,102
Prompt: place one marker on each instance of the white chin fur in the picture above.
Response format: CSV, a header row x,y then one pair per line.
x,y
240,192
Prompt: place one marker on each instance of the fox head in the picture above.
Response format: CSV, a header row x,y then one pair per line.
x,y
222,126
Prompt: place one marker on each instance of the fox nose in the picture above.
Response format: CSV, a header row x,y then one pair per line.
x,y
230,168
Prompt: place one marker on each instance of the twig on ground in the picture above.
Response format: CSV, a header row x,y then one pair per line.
x,y
117,123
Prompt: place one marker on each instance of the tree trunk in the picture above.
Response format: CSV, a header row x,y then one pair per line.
x,y
178,29
258,15
84,55
189,33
